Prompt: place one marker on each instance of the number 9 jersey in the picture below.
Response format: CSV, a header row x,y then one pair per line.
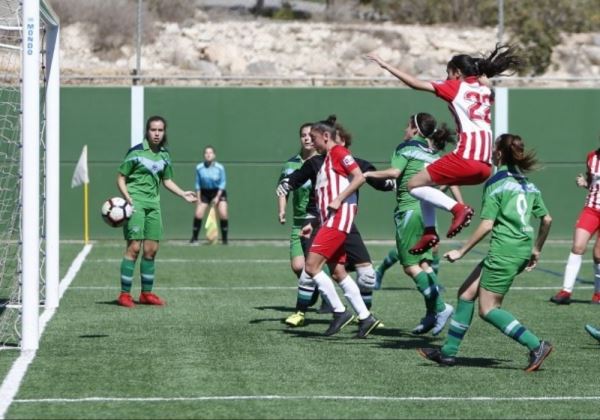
x,y
510,200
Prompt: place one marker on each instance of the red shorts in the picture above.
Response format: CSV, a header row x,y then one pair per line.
x,y
454,170
589,219
329,242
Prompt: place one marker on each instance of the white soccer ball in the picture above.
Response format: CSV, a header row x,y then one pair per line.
x,y
115,211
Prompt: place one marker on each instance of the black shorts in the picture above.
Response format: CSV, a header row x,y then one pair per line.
x,y
206,196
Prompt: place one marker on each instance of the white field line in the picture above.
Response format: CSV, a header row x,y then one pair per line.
x,y
278,261
302,397
229,288
12,381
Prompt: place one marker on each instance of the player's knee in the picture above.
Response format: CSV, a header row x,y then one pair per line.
x,y
579,249
365,277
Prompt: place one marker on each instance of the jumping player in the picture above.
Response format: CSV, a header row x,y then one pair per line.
x,y
469,98
509,202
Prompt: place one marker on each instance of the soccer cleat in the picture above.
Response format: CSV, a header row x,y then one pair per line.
x,y
596,298
365,326
339,321
126,300
594,332
296,319
429,239
441,318
462,218
561,298
193,240
378,277
537,356
437,356
149,298
425,325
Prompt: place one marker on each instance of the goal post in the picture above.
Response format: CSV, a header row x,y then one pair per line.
x,y
29,155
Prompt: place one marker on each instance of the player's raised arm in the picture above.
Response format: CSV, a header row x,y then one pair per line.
x,y
407,78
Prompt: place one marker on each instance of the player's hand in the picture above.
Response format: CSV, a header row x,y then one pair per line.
x,y
190,196
533,260
214,201
306,231
334,205
283,189
454,255
282,217
375,58
367,174
581,181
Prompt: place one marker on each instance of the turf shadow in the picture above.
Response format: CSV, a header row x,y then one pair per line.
x,y
276,308
107,302
413,342
94,336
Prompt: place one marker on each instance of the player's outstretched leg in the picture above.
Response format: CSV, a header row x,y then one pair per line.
x,y
462,215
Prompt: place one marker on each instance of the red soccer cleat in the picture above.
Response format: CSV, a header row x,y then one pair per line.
x,y
126,300
149,298
462,217
596,297
429,239
561,298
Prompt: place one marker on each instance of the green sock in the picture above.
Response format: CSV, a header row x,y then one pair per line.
x,y
459,325
127,267
436,295
147,271
435,263
427,285
306,297
508,324
367,297
390,259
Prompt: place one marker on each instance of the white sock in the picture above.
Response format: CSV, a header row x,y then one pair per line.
x,y
596,278
428,213
571,271
434,196
327,289
352,293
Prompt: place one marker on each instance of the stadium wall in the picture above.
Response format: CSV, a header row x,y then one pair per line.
x,y
254,130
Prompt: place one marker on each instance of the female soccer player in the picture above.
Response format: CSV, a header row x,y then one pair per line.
x,y
469,98
509,202
421,145
337,183
144,168
210,191
587,224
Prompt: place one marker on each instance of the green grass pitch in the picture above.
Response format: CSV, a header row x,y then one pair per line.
x,y
220,350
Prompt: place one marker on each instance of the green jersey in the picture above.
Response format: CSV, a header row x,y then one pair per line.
x,y
300,196
510,200
410,157
144,170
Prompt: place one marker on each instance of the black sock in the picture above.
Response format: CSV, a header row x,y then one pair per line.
x,y
224,230
196,228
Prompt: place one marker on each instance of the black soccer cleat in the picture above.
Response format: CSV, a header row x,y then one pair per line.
x,y
435,355
425,325
339,321
537,356
365,326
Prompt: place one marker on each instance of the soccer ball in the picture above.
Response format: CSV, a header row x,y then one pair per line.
x,y
115,211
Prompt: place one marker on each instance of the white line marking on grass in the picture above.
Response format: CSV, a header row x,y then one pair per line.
x,y
200,288
300,397
273,261
12,382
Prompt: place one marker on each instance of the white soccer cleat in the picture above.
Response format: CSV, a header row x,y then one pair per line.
x,y
441,319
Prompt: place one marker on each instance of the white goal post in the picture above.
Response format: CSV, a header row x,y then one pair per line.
x,y
34,80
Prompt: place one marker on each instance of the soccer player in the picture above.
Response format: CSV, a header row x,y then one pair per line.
x,y
358,258
301,200
469,98
422,142
587,225
509,202
337,182
210,191
144,168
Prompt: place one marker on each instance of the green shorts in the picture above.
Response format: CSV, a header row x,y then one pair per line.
x,y
295,242
499,271
145,223
409,229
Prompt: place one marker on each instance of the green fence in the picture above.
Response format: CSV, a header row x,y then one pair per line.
x,y
254,130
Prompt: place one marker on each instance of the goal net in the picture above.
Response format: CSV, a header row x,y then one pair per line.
x,y
28,63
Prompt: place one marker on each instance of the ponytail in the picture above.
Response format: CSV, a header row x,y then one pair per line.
x,y
501,59
513,153
426,125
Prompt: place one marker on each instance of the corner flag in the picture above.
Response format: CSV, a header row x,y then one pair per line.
x,y
212,233
80,177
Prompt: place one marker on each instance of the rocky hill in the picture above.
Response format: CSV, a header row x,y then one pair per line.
x,y
271,50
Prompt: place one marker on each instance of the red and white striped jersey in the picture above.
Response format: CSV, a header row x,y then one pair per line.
x,y
470,103
333,178
593,177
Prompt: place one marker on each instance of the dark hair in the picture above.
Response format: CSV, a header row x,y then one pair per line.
x,y
497,62
427,125
152,119
302,127
326,126
344,134
210,146
513,152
